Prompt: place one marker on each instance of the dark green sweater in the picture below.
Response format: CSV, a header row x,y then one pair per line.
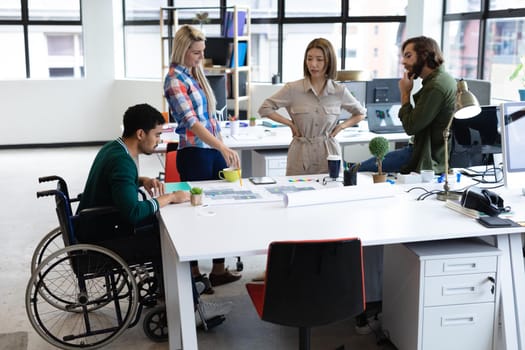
x,y
113,181
434,105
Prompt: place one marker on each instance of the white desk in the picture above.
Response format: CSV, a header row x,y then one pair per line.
x,y
188,235
261,137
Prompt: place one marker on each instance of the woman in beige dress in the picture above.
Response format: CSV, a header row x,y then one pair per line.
x,y
314,104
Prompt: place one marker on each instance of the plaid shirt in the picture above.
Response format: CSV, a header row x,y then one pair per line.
x,y
189,105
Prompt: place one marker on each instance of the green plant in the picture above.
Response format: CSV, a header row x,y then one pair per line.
x,y
379,146
520,68
196,190
201,18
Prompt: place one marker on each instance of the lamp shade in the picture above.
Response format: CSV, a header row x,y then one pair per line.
x,y
467,105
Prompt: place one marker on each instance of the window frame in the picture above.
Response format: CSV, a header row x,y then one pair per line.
x,y
280,20
25,23
483,16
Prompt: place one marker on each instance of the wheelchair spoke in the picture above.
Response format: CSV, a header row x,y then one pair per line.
x,y
81,297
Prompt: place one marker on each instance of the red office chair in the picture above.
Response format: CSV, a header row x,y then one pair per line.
x,y
171,174
310,283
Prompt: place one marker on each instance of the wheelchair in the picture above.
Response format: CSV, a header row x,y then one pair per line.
x,y
84,294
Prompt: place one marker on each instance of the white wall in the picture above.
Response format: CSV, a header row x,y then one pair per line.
x,y
67,110
91,109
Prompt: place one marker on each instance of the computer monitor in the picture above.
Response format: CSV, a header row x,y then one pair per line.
x,y
358,90
513,134
218,85
218,50
476,139
383,91
480,89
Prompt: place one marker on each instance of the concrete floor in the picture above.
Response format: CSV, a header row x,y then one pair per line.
x,y
24,220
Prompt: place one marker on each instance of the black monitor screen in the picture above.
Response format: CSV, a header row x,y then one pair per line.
x,y
383,91
481,129
476,139
218,50
513,120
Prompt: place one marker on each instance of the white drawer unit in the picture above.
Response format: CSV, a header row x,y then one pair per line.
x,y
440,295
269,162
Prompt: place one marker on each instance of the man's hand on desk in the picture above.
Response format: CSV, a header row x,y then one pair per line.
x,y
173,198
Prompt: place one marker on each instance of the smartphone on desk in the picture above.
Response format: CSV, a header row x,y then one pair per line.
x,y
262,180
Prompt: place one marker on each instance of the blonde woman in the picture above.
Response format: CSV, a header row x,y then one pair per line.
x,y
201,152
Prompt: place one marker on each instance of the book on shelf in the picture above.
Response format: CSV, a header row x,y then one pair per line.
x,y
227,28
241,50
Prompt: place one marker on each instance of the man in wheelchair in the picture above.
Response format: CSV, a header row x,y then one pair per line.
x,y
128,225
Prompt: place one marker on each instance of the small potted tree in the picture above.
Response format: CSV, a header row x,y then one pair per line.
x,y
519,71
196,196
378,146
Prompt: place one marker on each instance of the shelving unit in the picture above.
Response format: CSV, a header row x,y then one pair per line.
x,y
169,19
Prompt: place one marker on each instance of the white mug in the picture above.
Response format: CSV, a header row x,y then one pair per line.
x,y
427,175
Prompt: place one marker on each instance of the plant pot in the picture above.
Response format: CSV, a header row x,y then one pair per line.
x,y
378,178
522,94
196,199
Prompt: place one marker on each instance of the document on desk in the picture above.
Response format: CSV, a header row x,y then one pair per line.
x,y
337,195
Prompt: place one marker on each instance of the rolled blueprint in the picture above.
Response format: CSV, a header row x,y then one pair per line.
x,y
338,194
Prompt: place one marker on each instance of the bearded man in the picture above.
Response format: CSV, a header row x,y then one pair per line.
x,y
430,114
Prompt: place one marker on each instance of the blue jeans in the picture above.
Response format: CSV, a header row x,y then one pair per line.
x,y
392,163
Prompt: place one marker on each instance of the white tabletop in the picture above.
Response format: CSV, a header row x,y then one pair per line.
x,y
192,233
250,227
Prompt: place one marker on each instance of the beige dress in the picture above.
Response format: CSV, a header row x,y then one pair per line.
x,y
315,116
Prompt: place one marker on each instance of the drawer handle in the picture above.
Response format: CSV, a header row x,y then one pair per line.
x,y
458,320
448,267
459,290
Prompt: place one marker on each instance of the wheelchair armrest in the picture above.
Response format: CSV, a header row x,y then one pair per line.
x,y
98,211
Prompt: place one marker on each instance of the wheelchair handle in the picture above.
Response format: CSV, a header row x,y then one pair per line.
x,y
45,193
49,178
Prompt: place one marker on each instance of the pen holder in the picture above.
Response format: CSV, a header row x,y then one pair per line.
x,y
349,178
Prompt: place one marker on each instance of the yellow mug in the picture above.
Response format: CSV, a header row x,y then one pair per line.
x,y
230,174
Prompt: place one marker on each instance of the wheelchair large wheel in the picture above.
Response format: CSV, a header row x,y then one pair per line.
x,y
51,243
93,294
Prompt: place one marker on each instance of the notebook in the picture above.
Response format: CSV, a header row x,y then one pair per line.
x,y
382,118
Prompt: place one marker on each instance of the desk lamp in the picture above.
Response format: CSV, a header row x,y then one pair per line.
x,y
467,106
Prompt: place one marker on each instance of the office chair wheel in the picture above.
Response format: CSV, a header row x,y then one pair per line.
x,y
91,297
239,265
155,324
51,243
148,291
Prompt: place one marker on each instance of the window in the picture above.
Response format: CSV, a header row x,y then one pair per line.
x,y
44,40
280,31
378,53
485,43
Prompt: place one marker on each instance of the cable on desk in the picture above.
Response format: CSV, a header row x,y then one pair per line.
x,y
480,176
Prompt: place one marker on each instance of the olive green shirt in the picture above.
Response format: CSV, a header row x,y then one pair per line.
x,y
427,119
